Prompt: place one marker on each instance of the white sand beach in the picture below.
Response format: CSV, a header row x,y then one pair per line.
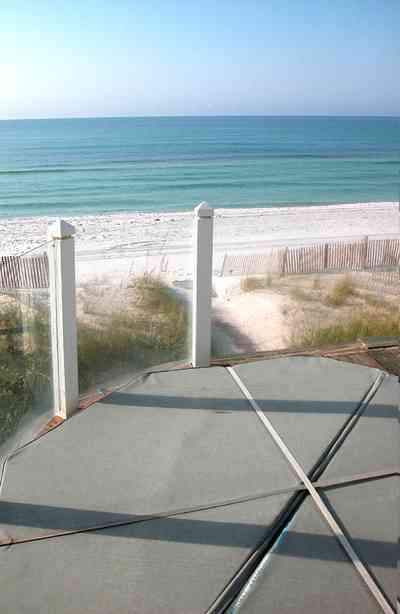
x,y
120,244
111,249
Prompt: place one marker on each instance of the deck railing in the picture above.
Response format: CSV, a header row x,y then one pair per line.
x,y
55,270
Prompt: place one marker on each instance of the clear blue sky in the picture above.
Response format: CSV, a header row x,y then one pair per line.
x,y
68,58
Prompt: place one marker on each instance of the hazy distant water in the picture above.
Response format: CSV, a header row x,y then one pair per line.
x,y
53,167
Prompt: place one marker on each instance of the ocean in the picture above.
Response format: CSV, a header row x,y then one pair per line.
x,y
89,166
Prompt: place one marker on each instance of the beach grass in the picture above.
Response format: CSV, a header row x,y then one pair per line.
x,y
342,290
150,330
249,284
342,312
256,282
299,294
24,364
367,323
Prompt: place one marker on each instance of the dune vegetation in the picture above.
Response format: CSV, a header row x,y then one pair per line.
x,y
149,328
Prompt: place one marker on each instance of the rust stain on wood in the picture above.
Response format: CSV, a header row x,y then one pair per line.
x,y
385,358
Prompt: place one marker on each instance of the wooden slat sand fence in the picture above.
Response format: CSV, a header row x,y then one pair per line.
x,y
308,259
346,256
365,254
361,255
24,272
387,281
254,264
383,253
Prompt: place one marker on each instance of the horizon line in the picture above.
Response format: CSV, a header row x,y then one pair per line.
x,y
201,116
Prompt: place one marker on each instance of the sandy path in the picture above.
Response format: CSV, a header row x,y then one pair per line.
x,y
259,319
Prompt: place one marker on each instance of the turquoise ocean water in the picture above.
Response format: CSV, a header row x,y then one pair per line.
x,y
82,166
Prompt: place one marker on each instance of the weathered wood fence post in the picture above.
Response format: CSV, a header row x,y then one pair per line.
x,y
202,285
326,256
365,253
284,262
64,353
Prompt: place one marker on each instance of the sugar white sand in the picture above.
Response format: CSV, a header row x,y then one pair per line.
x,y
120,244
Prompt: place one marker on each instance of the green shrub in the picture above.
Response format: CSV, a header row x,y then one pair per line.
x,y
341,291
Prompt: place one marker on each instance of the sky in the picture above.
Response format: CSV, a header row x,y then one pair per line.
x,y
84,58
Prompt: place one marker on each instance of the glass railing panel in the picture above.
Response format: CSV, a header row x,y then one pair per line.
x,y
277,293
26,387
353,295
133,309
246,314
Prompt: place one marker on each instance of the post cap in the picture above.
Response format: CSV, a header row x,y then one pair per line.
x,y
60,230
204,210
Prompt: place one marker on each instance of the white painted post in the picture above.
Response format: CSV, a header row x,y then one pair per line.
x,y
63,318
202,285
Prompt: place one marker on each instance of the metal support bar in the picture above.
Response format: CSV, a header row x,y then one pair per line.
x,y
202,285
327,515
63,318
